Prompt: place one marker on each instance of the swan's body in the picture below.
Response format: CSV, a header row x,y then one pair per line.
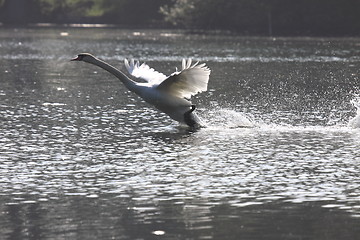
x,y
355,122
168,94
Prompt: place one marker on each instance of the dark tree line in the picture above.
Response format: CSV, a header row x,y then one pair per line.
x,y
125,12
253,17
279,17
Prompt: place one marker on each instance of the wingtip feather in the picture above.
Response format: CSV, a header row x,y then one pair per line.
x,y
188,63
183,64
126,62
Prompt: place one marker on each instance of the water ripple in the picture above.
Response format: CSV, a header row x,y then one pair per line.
x,y
75,132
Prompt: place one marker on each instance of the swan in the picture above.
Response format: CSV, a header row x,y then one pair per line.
x,y
355,122
169,94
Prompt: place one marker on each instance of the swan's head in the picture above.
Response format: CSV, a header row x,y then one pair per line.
x,y
86,57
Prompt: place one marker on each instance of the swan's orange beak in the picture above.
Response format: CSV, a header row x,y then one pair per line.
x,y
76,59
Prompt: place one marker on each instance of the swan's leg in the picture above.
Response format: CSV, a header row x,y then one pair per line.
x,y
188,119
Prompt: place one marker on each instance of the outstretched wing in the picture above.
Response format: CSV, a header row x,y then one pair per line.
x,y
191,80
144,72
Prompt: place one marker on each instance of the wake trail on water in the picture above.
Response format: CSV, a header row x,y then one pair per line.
x,y
228,119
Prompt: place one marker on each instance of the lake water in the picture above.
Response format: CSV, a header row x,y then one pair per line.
x,y
83,158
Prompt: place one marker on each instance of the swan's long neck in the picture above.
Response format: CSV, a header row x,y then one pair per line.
x,y
130,84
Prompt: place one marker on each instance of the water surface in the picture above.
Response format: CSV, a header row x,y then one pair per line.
x,y
81,157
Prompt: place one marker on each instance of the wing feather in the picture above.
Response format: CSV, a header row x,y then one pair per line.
x,y
144,72
191,80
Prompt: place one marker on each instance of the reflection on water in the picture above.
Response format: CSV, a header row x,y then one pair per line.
x,y
76,217
81,157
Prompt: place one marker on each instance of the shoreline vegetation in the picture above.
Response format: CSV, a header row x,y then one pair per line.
x,y
321,18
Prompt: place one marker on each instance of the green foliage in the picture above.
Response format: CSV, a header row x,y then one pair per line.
x,y
114,11
99,8
133,11
218,14
261,17
65,8
265,16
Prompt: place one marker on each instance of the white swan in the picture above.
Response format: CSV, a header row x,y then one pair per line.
x,y
355,122
168,94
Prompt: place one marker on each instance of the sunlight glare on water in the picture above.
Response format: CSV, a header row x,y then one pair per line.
x,y
82,157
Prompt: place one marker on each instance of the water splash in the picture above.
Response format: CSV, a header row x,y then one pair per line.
x,y
227,118
224,119
355,122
